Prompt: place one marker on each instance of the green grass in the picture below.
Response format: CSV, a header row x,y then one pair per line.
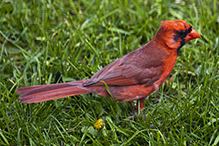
x,y
45,42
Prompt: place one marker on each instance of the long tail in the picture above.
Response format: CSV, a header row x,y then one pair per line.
x,y
42,93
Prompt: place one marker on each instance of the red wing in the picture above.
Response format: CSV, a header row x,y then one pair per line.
x,y
128,70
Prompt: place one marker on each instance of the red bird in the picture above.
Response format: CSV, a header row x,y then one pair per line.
x,y
132,77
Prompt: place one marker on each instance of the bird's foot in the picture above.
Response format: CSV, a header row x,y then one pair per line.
x,y
135,115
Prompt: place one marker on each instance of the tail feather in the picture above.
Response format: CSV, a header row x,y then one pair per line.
x,y
23,90
42,93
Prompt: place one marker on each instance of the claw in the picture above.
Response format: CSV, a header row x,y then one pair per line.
x,y
134,112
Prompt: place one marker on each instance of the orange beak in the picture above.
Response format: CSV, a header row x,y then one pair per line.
x,y
192,35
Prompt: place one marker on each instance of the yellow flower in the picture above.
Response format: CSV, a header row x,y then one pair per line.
x,y
98,124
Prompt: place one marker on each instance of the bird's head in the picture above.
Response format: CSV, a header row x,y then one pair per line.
x,y
175,33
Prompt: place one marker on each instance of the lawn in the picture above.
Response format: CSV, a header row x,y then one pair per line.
x,y
43,42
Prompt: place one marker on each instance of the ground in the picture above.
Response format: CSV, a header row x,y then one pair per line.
x,y
46,42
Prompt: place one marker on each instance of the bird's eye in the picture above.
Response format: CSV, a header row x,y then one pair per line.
x,y
182,33
190,29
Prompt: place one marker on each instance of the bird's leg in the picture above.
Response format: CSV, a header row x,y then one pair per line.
x,y
140,104
142,100
133,109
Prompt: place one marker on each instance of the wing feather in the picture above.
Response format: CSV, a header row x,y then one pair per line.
x,y
129,70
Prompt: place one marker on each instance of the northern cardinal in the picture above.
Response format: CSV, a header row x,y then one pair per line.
x,y
132,77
